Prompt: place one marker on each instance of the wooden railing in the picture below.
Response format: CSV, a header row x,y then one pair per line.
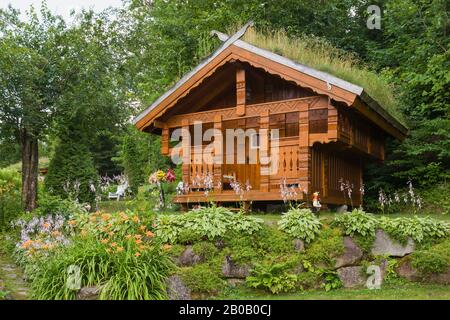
x,y
288,162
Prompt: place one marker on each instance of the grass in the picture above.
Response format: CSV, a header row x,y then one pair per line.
x,y
319,54
401,290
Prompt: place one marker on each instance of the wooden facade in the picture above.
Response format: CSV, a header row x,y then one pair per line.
x,y
327,132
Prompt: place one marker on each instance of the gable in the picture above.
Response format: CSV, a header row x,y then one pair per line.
x,y
241,52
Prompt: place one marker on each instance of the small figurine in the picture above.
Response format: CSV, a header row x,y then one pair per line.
x,y
316,202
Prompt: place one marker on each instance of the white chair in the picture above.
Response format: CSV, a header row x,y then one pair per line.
x,y
119,193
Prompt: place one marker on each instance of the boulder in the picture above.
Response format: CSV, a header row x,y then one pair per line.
x,y
299,245
352,276
342,209
351,256
384,245
89,293
232,270
233,282
406,270
176,289
189,258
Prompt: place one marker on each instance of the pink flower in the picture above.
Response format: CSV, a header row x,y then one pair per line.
x,y
170,176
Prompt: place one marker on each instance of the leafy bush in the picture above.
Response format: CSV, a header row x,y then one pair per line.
x,y
52,205
356,222
300,224
273,277
420,229
434,259
202,279
204,223
10,196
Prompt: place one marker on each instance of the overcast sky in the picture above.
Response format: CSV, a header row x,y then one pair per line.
x,y
62,7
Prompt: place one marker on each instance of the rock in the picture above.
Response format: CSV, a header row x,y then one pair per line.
x,y
235,282
406,270
176,289
299,245
189,258
89,293
232,270
351,256
220,244
342,209
352,276
386,246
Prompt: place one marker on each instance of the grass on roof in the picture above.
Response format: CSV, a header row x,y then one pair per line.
x,y
319,54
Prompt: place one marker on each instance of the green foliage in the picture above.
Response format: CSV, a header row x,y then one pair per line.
x,y
202,279
435,259
324,249
71,171
331,280
10,196
205,249
140,155
420,229
356,222
204,223
429,262
273,277
300,223
49,204
122,275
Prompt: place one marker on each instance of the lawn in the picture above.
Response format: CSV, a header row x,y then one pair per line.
x,y
399,290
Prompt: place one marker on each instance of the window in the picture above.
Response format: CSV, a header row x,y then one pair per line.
x,y
286,123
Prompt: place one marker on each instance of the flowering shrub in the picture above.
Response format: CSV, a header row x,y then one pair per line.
x,y
40,235
117,252
300,223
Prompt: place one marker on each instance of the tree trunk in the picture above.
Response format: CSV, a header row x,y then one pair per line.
x,y
30,162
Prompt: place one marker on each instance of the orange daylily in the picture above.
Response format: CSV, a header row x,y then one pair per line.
x,y
167,247
104,241
142,228
27,244
138,241
149,234
137,254
114,244
106,216
119,249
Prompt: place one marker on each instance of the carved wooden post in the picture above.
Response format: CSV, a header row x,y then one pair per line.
x,y
165,141
186,144
240,92
265,156
304,150
332,122
218,156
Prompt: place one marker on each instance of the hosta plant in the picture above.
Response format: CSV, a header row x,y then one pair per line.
x,y
420,229
272,277
356,222
300,224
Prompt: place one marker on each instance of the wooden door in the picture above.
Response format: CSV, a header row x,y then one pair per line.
x,y
245,167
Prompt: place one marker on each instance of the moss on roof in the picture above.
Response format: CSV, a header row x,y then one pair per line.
x,y
319,54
